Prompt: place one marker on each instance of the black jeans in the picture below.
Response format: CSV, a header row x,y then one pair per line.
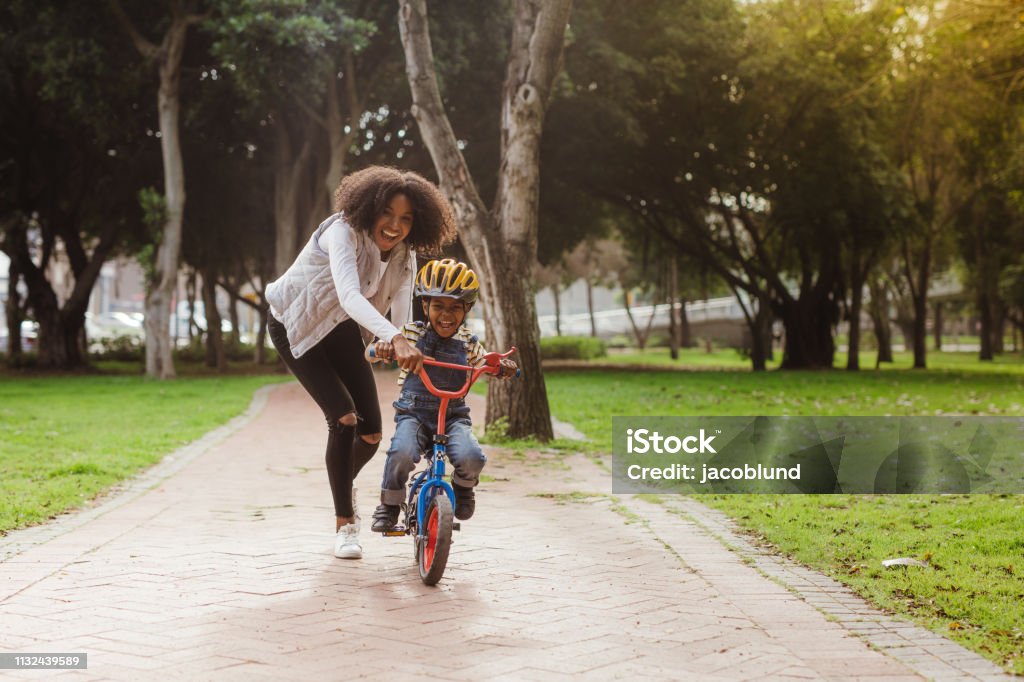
x,y
340,380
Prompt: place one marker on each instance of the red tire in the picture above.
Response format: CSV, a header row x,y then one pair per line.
x,y
437,539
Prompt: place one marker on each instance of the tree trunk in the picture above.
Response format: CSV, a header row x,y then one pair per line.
x,y
918,282
501,243
920,331
640,335
937,324
260,354
337,139
13,313
288,186
215,356
853,344
556,290
673,295
760,336
235,338
590,307
161,290
985,313
808,323
685,335
190,299
998,324
62,341
61,338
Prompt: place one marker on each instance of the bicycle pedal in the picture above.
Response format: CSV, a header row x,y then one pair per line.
x,y
396,532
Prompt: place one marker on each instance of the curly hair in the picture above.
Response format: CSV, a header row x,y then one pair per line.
x,y
363,196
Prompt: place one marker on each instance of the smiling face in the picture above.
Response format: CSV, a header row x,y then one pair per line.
x,y
446,315
394,224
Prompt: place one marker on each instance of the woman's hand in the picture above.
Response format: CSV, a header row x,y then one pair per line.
x,y
406,355
381,350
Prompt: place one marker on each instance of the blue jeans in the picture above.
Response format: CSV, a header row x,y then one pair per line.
x,y
413,436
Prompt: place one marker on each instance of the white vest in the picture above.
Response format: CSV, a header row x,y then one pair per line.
x,y
304,299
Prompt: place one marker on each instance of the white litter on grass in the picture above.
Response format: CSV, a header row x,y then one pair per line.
x,y
904,561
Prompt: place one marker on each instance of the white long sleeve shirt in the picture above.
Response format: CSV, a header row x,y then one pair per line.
x,y
339,275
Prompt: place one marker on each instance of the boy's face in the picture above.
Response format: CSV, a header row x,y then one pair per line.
x,y
446,315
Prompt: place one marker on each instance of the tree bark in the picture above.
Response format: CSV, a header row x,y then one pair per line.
x,y
590,306
809,343
673,296
641,336
556,291
215,356
502,243
62,342
918,280
289,178
998,324
985,315
160,295
340,141
853,342
260,354
13,313
878,310
235,338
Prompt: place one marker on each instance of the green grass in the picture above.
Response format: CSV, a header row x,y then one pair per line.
x,y
588,399
66,438
974,592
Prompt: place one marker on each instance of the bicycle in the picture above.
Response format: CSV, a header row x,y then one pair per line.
x,y
429,516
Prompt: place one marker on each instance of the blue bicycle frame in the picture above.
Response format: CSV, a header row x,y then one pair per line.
x,y
426,483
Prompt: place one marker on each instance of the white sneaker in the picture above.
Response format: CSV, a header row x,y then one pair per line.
x,y
346,542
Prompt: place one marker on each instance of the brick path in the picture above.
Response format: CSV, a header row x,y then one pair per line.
x,y
217,565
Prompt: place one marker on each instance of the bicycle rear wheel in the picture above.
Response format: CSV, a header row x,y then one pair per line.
x,y
437,539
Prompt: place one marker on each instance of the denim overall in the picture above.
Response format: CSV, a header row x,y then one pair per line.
x,y
416,420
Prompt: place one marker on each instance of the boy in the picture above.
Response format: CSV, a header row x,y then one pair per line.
x,y
448,290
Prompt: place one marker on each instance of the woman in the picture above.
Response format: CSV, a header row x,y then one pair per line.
x,y
359,263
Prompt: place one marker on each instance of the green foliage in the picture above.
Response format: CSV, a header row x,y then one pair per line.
x,y
572,348
276,49
125,347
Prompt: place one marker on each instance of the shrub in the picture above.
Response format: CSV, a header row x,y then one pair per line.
x,y
125,347
620,341
572,348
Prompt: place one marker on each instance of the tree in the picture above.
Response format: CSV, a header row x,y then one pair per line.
x,y
323,78
502,242
68,166
167,58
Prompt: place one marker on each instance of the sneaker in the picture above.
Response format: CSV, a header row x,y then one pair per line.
x,y
465,502
385,516
346,542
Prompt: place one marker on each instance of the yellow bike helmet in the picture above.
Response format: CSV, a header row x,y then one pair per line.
x,y
448,278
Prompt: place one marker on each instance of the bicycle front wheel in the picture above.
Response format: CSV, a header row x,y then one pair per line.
x,y
437,539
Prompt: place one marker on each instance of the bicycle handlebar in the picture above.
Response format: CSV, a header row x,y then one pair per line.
x,y
492,365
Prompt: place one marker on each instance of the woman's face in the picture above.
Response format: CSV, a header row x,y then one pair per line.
x,y
394,224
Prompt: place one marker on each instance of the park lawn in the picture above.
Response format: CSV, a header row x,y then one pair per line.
x,y
974,593
66,438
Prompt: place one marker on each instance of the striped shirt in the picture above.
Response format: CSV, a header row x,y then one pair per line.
x,y
412,332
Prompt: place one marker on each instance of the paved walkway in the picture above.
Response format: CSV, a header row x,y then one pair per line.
x,y
217,565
